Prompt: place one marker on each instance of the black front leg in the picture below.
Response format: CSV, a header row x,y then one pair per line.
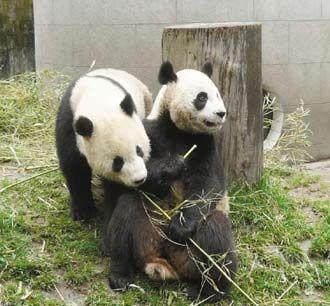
x,y
78,177
118,238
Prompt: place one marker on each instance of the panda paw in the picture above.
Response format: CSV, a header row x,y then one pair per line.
x,y
174,167
181,229
83,212
119,282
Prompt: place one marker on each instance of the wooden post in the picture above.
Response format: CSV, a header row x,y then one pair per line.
x,y
17,37
234,49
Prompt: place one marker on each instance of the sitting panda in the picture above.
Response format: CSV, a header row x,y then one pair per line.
x,y
186,112
99,130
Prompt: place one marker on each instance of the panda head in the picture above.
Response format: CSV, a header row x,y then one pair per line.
x,y
192,99
114,141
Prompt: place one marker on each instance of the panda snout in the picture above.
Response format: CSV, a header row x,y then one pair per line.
x,y
221,114
139,182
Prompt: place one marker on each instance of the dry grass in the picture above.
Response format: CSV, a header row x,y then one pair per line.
x,y
291,148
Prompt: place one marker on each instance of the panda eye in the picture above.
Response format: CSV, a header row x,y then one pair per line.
x,y
117,164
139,151
202,96
200,100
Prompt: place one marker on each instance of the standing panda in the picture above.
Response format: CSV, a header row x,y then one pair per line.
x,y
99,130
187,111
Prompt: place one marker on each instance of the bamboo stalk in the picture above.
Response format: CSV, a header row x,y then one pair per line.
x,y
190,151
28,179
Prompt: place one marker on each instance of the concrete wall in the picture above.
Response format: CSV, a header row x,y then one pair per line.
x,y
70,34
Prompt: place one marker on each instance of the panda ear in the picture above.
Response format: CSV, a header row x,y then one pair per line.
x,y
207,69
166,73
127,105
83,126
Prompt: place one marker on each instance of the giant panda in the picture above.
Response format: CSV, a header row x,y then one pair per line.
x,y
187,111
99,131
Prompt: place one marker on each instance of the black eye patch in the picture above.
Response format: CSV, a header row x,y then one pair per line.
x,y
200,100
139,151
117,164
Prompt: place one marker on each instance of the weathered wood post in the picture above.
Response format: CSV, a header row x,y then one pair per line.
x,y
234,49
17,37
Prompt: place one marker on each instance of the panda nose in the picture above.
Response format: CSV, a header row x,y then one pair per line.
x,y
221,114
139,182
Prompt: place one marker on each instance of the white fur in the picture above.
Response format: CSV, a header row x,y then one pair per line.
x,y
115,133
178,97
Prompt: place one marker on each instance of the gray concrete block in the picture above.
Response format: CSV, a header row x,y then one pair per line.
x,y
199,11
148,76
148,50
55,44
320,151
111,46
82,54
325,9
319,124
62,12
214,10
275,42
275,78
309,42
287,9
39,52
305,83
72,71
43,11
103,12
293,83
325,83
238,10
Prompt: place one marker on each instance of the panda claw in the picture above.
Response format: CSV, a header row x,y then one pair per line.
x,y
119,282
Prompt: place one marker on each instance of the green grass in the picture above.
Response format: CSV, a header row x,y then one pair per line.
x,y
43,252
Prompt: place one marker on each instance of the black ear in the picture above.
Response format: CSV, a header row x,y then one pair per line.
x,y
84,126
127,105
207,69
166,73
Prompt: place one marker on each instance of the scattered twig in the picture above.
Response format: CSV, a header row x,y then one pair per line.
x,y
285,292
59,293
26,180
15,155
39,167
43,246
26,295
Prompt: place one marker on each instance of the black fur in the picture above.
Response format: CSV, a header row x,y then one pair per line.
x,y
166,73
74,166
127,105
139,151
84,126
114,82
201,174
200,100
117,164
207,69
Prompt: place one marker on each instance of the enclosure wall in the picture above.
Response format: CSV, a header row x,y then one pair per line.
x,y
127,35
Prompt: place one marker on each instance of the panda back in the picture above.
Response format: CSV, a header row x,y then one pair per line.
x,y
131,84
